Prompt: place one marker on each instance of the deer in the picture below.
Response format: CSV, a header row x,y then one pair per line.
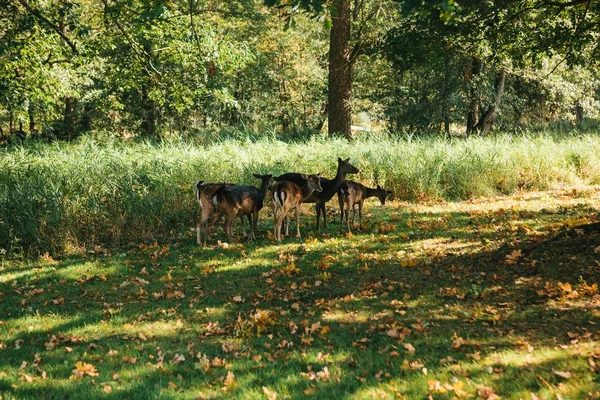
x,y
287,194
241,201
204,194
352,193
329,186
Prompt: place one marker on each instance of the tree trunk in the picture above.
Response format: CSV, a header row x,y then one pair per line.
x,y
149,114
339,98
32,127
473,116
579,113
485,123
69,118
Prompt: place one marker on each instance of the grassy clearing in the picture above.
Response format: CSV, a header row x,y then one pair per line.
x,y
443,299
71,198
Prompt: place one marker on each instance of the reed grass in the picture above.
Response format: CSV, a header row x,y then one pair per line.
x,y
71,197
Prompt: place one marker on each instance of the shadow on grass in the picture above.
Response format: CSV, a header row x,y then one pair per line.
x,y
376,291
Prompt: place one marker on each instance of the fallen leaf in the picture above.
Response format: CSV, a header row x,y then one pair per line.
x,y
230,380
410,348
563,374
271,395
82,369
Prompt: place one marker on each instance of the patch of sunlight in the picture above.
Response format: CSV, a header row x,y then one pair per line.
x,y
347,317
244,264
529,201
37,323
524,358
71,272
381,391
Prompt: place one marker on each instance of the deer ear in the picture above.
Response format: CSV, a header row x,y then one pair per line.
x,y
347,160
304,176
378,187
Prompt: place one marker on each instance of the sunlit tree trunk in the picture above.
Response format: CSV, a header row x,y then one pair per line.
x,y
340,71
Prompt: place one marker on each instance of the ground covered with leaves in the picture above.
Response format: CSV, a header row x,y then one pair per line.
x,y
488,298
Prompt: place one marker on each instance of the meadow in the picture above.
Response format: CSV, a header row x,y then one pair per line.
x,y
478,280
69,198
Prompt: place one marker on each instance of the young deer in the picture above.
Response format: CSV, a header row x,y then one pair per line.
x,y
204,194
239,201
286,195
330,186
352,193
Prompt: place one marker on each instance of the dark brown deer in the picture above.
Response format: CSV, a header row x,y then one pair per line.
x,y
239,201
204,194
352,193
286,195
330,186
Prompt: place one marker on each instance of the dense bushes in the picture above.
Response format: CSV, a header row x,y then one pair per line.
x,y
69,197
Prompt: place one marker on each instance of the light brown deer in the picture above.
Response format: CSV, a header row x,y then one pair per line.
x,y
353,193
235,201
286,195
208,214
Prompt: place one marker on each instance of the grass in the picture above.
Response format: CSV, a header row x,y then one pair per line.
x,y
70,198
448,299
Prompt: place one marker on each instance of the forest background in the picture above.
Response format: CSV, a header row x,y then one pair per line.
x,y
158,68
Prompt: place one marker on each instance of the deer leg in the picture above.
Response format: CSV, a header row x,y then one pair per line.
x,y
341,203
360,204
298,220
287,225
253,218
318,214
278,223
348,215
207,228
198,233
324,211
228,223
244,225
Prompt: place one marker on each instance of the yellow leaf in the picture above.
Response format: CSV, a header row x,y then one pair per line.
x,y
230,380
172,385
82,369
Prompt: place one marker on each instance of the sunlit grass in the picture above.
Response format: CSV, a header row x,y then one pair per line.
x,y
420,302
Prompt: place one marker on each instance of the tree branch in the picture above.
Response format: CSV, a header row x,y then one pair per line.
x,y
49,23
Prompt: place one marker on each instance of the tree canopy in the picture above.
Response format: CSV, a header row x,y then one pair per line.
x,y
150,68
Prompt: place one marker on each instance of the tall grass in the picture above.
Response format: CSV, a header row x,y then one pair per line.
x,y
69,197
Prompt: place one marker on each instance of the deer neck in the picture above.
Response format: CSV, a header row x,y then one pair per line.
x,y
264,187
306,191
370,192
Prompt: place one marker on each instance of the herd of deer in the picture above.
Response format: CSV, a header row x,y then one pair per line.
x,y
287,191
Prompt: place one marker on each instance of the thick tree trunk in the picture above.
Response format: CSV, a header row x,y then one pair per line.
x,y
487,120
340,71
473,116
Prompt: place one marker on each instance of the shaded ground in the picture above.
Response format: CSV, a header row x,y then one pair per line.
x,y
453,300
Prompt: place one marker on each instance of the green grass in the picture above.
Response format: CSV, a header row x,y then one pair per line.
x,y
423,301
70,198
